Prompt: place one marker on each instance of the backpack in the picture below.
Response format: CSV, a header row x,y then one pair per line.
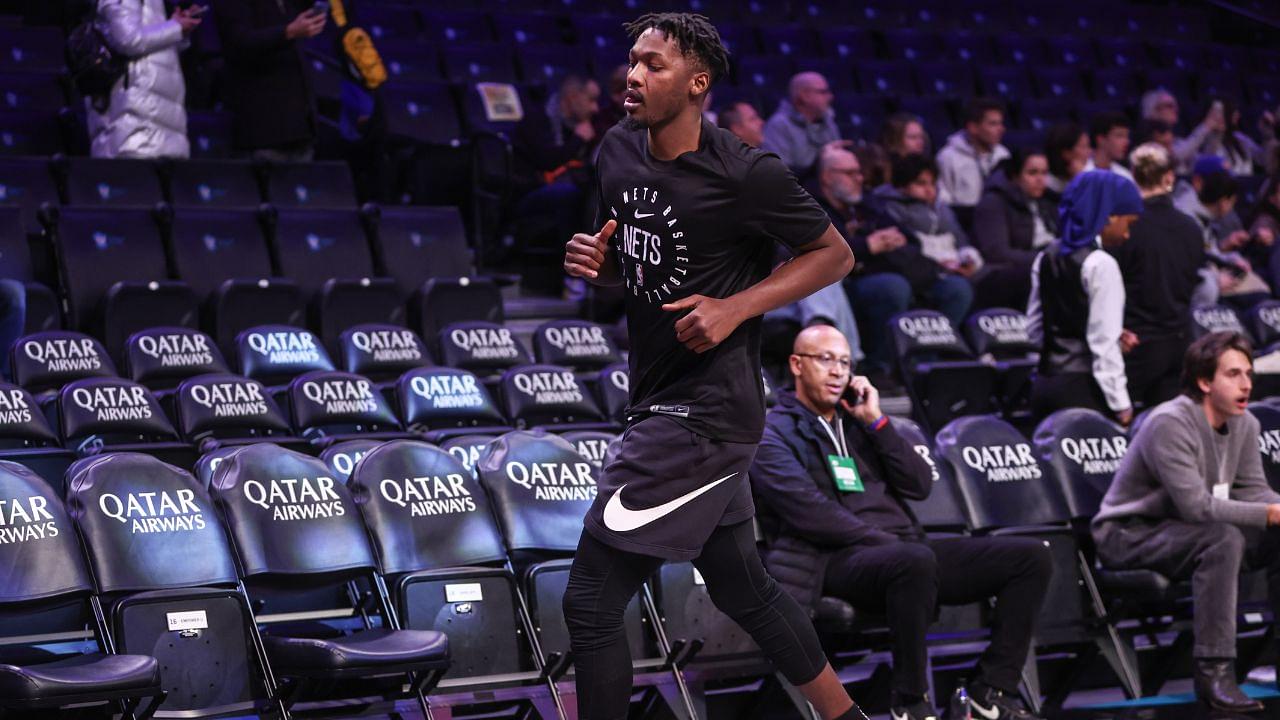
x,y
95,67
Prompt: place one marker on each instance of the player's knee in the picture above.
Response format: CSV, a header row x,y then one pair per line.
x,y
587,617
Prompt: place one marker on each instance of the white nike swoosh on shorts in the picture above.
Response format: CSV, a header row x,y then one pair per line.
x,y
620,519
990,714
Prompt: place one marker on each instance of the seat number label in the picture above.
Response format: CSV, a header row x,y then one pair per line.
x,y
463,592
188,620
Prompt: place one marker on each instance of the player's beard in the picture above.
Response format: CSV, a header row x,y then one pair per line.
x,y
631,122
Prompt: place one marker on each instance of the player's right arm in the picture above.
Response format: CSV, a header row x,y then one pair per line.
x,y
590,256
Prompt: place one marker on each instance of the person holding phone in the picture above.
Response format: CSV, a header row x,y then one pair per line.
x,y
832,479
269,90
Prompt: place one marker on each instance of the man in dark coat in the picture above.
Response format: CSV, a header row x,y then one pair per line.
x,y
273,107
830,480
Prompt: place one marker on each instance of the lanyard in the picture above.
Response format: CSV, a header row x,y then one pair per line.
x,y
842,445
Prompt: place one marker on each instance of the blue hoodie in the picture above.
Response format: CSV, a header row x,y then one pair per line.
x,y
1088,202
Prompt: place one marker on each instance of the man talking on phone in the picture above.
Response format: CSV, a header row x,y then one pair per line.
x,y
831,479
272,104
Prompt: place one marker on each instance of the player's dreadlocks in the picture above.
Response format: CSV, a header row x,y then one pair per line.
x,y
694,35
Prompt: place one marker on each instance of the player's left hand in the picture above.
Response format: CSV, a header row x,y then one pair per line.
x,y
707,324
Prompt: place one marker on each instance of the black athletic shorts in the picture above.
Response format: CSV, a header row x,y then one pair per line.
x,y
668,488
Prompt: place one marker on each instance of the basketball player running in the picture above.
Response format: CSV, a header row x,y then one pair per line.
x,y
688,219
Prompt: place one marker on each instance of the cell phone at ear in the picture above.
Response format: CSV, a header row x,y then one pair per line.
x,y
853,397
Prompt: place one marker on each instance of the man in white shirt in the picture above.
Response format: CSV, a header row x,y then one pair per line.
x,y
1109,133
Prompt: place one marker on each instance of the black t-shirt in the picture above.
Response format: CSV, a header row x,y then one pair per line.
x,y
705,224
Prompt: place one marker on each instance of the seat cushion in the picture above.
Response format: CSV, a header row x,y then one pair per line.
x,y
79,675
1145,584
832,614
379,647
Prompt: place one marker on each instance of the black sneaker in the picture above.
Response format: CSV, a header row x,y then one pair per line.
x,y
987,703
922,710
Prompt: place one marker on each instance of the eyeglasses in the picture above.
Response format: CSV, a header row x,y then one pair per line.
x,y
827,361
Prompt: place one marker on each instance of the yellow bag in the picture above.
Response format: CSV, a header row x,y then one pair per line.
x,y
359,48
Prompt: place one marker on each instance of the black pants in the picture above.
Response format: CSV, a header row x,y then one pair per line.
x,y
1154,369
907,580
604,579
1050,393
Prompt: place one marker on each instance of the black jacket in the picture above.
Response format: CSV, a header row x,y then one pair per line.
x,y
269,90
1160,264
542,144
800,512
1004,227
907,260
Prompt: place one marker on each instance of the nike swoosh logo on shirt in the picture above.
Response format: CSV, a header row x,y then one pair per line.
x,y
620,519
991,713
641,216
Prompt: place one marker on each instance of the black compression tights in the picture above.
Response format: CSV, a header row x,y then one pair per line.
x,y
604,579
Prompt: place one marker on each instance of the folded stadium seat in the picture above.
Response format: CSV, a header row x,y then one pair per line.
x,y
942,512
1118,85
223,410
459,26
440,403
276,354
847,43
598,31
550,64
294,528
613,390
913,45
968,47
222,255
341,457
507,104
479,63
592,444
114,271
422,111
886,77
444,301
1000,335
468,448
161,358
330,406
414,244
210,135
1040,114
1232,58
168,583
418,501
327,254
325,75
579,344
115,183
1021,50
42,571
1122,52
789,40
1217,84
409,62
1060,83
767,74
318,185
213,184
1009,83
31,92
528,29
32,49
108,415
540,488
1083,449
381,353
16,263
860,115
39,132
28,183
1008,491
1086,18
948,78
27,438
1183,56
1071,51
387,22
939,371
550,397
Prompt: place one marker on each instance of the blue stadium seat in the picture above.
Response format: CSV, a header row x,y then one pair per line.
x,y
948,78
424,112
29,184
1061,83
27,438
213,184
943,510
276,354
1083,449
387,22
482,347
43,362
44,570
942,377
342,457
209,134
160,358
457,27
528,30
409,62
1122,52
913,45
16,263
116,183
225,411
592,444
847,43
860,115
935,111
381,352
578,344
318,185
477,117
330,406
468,448
550,64
769,76
551,397
441,403
1072,51
1040,114
789,40
31,92
1020,50
101,415
1118,85
32,49
1007,83
1215,318
474,63
613,389
414,244
600,32
886,77
968,47
31,133
443,301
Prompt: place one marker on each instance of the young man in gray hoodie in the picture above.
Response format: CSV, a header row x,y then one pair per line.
x,y
972,153
1190,500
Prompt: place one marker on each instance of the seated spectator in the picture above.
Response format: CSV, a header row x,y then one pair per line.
x,y
741,119
1190,501
803,124
1067,149
1266,226
1076,307
904,134
611,112
1233,145
144,115
1109,133
876,164
1209,197
1156,131
269,91
972,153
830,479
553,141
1011,224
1160,104
929,266
1162,266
